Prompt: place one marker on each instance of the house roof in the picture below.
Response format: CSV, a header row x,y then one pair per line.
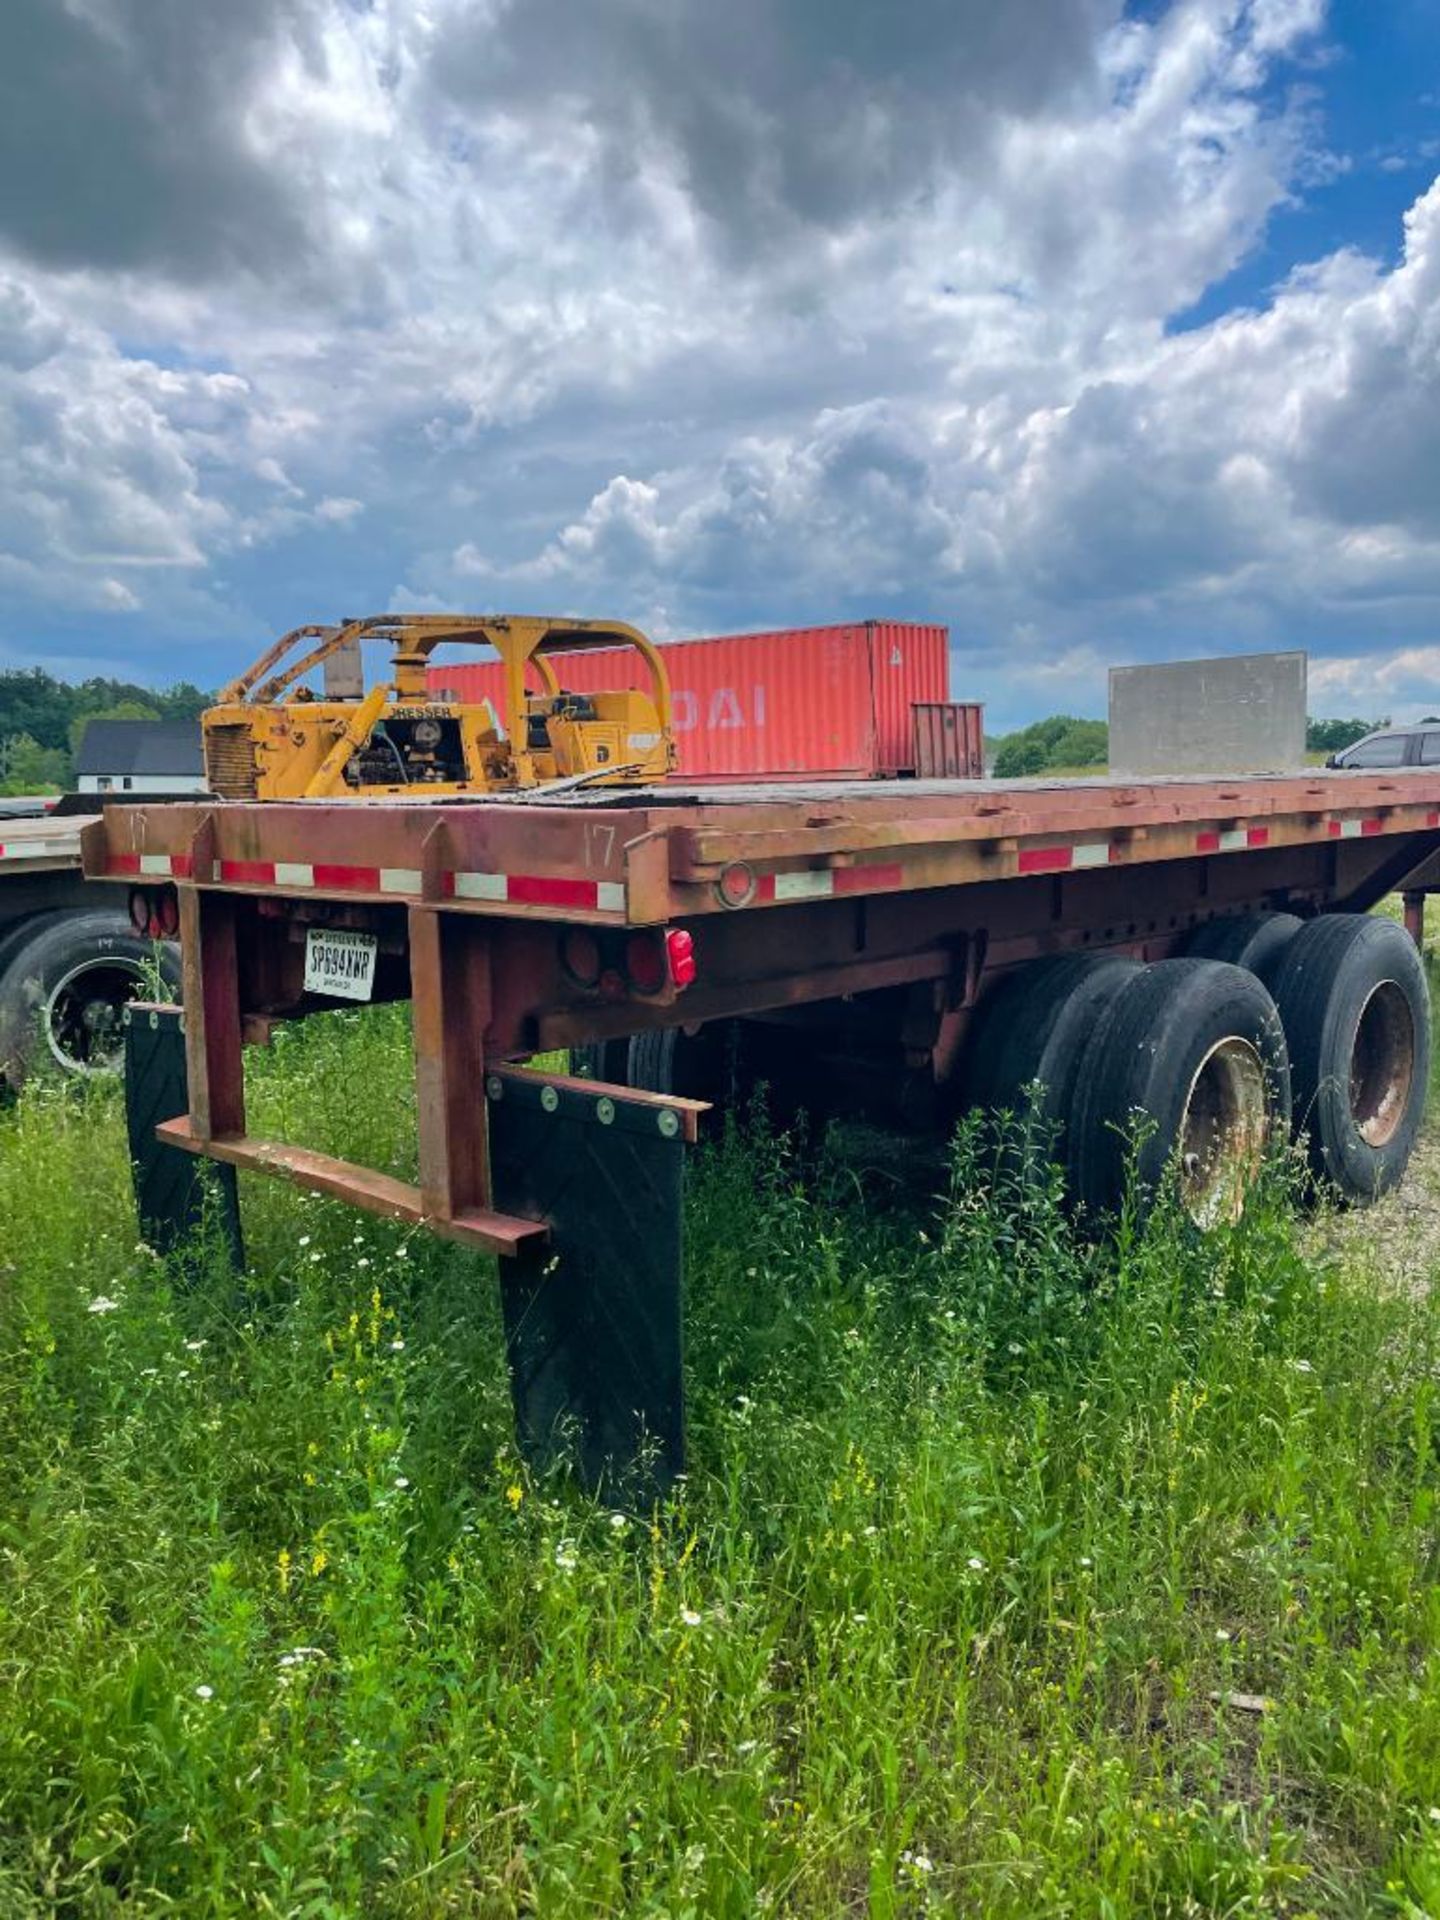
x,y
165,747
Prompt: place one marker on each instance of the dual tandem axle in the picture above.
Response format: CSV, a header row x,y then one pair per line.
x,y
1199,950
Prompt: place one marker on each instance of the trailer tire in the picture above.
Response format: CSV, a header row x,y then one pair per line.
x,y
14,938
1255,941
1195,1048
63,989
1033,1028
1355,1003
701,1065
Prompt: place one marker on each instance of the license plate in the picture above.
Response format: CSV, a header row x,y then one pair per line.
x,y
340,964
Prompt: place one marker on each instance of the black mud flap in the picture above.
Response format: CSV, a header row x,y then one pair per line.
x,y
174,1191
593,1317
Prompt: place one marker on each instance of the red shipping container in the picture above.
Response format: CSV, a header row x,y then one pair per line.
x,y
794,704
949,740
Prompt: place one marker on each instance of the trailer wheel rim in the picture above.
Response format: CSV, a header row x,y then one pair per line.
x,y
84,1014
1223,1129
1382,1064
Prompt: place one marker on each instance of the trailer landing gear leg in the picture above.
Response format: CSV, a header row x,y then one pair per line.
x,y
593,1316
171,1187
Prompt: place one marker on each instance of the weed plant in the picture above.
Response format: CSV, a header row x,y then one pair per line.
x,y
1013,1576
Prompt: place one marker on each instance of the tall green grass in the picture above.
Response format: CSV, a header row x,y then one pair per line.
x,y
991,1545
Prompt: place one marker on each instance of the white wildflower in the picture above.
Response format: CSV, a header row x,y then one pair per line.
x,y
194,1346
202,1692
566,1558
1086,1561
401,1482
397,1345
689,1616
746,1747
303,1241
917,1862
1221,1634
102,1303
975,1563
618,1523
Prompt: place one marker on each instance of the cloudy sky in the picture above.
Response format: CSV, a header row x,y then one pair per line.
x,y
1100,332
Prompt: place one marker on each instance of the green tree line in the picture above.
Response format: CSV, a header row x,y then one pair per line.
x,y
43,720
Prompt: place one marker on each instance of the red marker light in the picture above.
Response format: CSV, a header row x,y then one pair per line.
x,y
645,962
139,908
167,912
680,954
654,961
736,885
580,956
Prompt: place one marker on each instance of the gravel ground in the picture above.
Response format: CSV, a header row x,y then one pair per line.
x,y
1399,1237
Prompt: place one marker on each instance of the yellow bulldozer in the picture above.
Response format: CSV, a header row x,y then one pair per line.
x,y
271,738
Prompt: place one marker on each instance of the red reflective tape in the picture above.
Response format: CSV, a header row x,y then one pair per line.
x,y
1207,843
1335,829
123,863
1432,819
1257,836
181,866
349,879
765,887
1045,859
531,890
1367,827
865,879
248,873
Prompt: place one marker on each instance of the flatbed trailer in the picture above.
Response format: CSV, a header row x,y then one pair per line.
x,y
878,928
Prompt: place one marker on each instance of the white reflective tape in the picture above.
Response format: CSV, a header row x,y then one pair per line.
x,y
1092,853
1351,829
41,850
610,896
399,879
481,886
155,863
1234,840
803,886
294,873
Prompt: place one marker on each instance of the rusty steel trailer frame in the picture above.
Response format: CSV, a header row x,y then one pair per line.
x,y
507,921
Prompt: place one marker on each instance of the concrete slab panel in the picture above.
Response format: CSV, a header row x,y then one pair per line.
x,y
1240,713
